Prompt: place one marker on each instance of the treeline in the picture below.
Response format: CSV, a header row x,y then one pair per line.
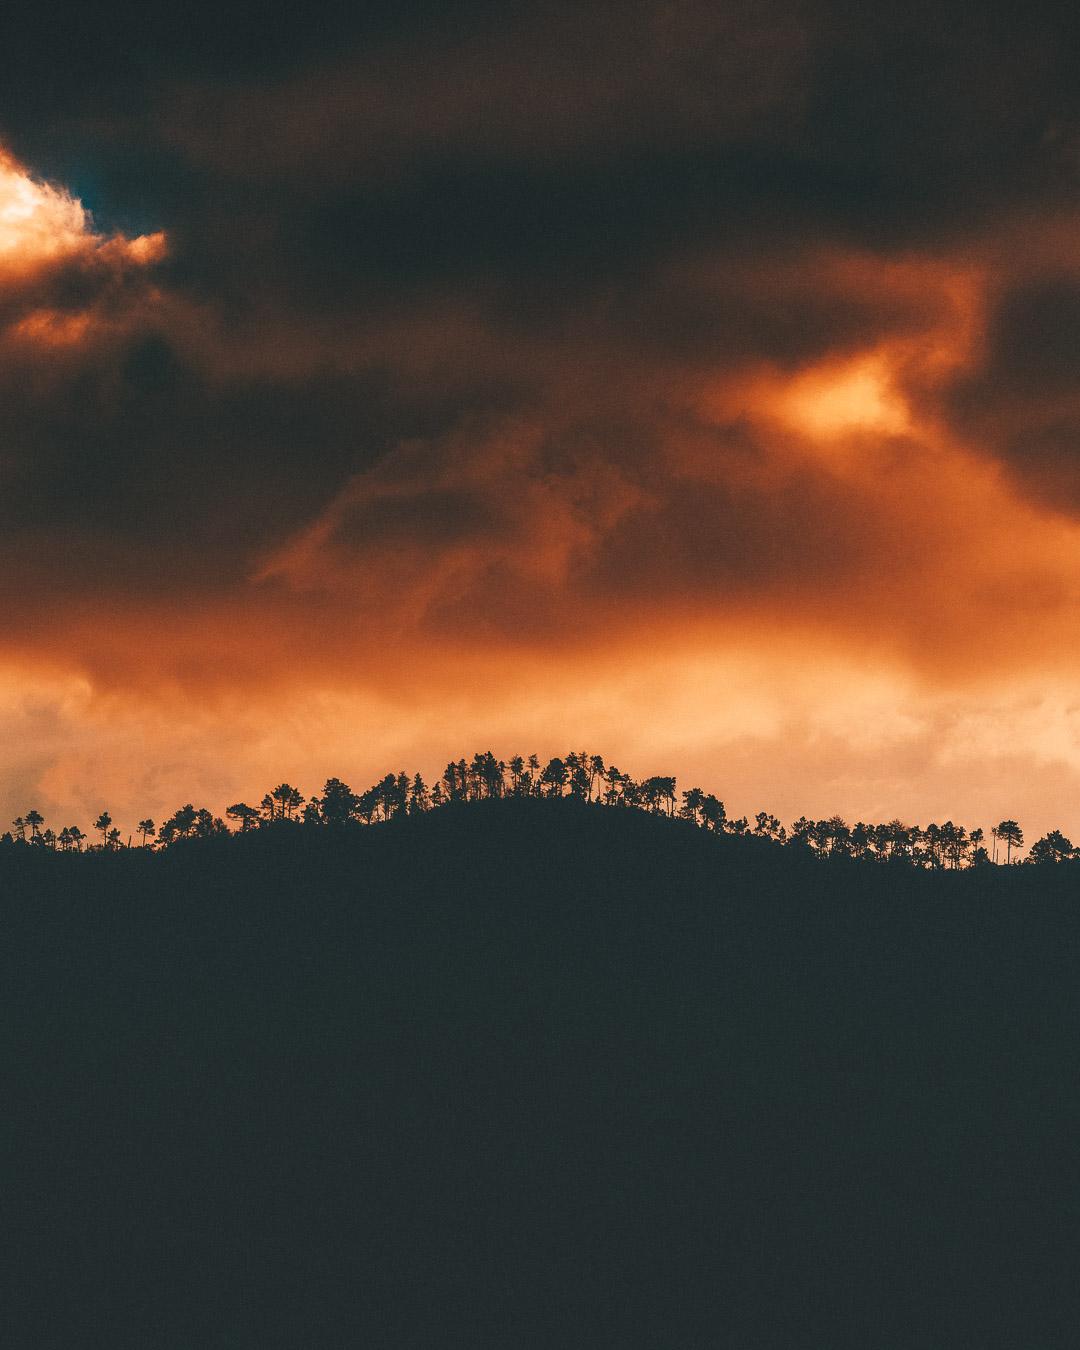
x,y
580,776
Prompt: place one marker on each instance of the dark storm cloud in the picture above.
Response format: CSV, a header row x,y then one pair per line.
x,y
390,228
1019,400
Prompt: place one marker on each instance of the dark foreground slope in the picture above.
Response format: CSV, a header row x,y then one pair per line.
x,y
525,1076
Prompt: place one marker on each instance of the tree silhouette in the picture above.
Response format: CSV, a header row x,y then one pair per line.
x,y
284,802
419,800
145,828
554,776
579,782
180,823
336,806
767,826
455,781
35,820
1012,834
692,802
713,813
207,824
1052,848
245,816
102,823
658,792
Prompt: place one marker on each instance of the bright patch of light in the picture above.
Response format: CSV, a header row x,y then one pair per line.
x,y
37,222
836,400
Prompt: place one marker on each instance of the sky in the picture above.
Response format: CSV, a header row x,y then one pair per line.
x,y
693,384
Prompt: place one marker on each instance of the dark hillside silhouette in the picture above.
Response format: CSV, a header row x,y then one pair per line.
x,y
526,1073
580,777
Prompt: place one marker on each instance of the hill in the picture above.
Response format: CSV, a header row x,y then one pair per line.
x,y
535,1074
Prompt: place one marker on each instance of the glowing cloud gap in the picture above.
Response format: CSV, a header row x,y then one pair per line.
x,y
41,224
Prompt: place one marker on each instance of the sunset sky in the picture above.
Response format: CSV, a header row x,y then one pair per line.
x,y
697,384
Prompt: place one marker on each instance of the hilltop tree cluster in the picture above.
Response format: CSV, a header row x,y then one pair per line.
x,y
580,776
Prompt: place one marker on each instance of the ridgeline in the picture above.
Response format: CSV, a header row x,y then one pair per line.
x,y
528,1073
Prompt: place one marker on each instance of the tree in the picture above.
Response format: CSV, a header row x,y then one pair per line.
x,y
1052,848
145,828
861,837
897,839
112,839
244,815
767,826
20,828
454,781
35,820
713,813
1012,835
691,807
554,776
831,836
179,825
390,794
658,791
207,824
285,801
77,837
337,805
419,799
630,792
185,819
485,776
102,823
367,803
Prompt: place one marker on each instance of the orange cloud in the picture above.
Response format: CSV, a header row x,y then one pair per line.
x,y
41,224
